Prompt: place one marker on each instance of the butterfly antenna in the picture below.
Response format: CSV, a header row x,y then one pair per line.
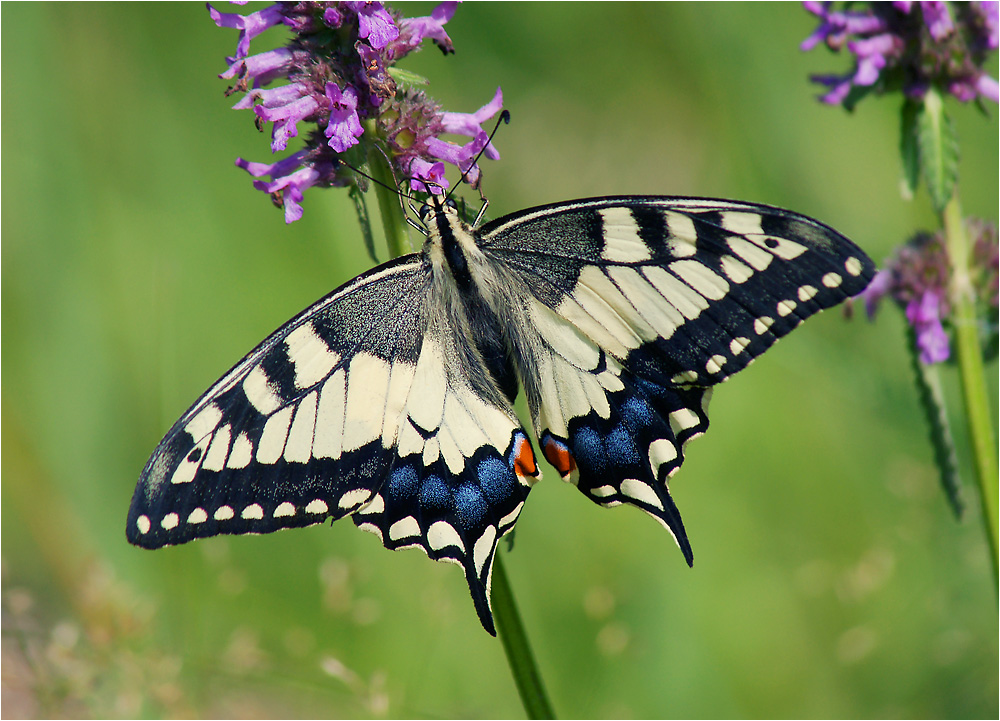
x,y
395,189
504,118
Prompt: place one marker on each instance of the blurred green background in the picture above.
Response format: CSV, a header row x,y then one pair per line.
x,y
139,264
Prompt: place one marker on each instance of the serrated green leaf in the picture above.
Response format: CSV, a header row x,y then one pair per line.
x,y
406,78
938,145
932,401
908,148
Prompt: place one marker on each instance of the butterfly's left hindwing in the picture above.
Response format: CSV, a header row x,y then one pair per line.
x,y
636,307
364,404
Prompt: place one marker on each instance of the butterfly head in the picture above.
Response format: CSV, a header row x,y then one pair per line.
x,y
435,205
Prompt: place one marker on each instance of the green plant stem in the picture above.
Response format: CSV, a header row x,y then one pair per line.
x,y
516,646
969,355
508,621
389,205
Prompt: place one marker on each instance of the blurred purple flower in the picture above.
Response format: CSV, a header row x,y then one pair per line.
x,y
336,82
918,279
908,46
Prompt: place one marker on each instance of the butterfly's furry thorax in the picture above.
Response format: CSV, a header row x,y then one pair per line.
x,y
464,285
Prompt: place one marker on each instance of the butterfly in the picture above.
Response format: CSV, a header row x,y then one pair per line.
x,y
391,399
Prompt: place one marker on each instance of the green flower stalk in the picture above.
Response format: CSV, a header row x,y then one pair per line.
x,y
946,282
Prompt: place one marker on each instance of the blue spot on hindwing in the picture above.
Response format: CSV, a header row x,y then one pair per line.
x,y
495,479
636,413
403,483
590,450
435,495
470,505
621,446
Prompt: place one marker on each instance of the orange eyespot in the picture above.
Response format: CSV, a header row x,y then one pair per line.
x,y
559,456
524,459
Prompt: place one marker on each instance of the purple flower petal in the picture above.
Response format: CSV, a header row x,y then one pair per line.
x,y
275,170
430,26
871,54
271,97
877,290
250,26
298,109
835,26
471,123
333,17
433,173
344,127
374,23
923,313
285,118
286,182
839,87
937,18
987,87
271,64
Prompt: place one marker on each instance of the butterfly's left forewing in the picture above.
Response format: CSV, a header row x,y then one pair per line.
x,y
293,433
634,308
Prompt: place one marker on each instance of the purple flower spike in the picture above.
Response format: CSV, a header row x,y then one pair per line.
x,y
344,127
990,14
918,278
337,71
908,45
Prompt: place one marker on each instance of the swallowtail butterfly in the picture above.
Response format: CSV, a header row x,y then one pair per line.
x,y
391,399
